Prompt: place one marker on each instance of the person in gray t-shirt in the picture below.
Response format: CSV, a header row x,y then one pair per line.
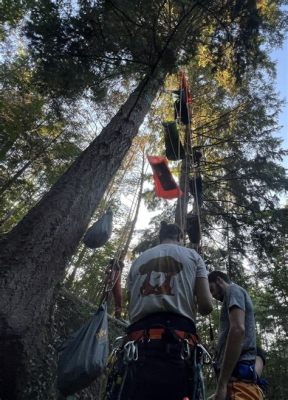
x,y
166,284
237,335
168,278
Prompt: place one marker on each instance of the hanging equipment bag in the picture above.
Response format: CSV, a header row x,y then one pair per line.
x,y
173,146
181,111
83,356
193,228
99,233
196,189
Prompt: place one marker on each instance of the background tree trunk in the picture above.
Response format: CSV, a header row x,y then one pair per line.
x,y
7,185
35,252
70,279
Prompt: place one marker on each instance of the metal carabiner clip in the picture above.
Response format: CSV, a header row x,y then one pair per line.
x,y
206,357
131,351
135,352
185,351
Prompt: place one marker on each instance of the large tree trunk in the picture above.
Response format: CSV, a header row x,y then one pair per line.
x,y
35,252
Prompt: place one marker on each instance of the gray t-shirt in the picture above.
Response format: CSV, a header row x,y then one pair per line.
x,y
236,296
163,279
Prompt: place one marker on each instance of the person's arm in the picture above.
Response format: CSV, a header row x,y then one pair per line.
x,y
259,365
260,361
232,350
203,295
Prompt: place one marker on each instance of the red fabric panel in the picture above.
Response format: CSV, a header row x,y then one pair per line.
x,y
165,185
184,85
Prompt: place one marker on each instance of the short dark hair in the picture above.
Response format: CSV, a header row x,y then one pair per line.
x,y
169,231
212,276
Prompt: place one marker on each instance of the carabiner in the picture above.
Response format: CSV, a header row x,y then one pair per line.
x,y
205,357
131,351
185,351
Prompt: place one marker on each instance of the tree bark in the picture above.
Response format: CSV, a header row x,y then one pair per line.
x,y
35,252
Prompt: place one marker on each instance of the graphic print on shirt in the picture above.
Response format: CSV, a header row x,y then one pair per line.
x,y
159,273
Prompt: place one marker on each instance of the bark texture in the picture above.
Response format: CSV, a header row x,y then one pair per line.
x,y
34,254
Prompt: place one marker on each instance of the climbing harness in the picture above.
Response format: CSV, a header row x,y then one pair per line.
x,y
131,349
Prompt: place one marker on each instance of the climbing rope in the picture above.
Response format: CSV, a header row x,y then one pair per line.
x,y
190,162
112,271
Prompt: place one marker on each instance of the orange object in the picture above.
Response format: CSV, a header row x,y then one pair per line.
x,y
157,334
184,86
244,391
165,185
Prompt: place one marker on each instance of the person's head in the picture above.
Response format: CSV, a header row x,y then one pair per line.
x,y
218,282
170,232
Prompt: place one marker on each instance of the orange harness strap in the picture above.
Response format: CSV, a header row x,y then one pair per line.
x,y
156,334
